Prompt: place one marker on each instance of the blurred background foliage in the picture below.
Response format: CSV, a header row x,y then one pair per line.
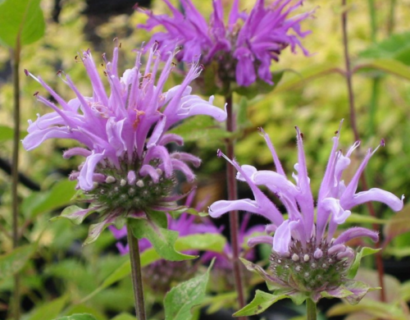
x,y
311,94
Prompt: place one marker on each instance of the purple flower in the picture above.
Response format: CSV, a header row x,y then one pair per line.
x,y
127,168
243,47
305,255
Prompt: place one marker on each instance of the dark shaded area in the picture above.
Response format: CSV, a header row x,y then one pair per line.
x,y
23,179
110,7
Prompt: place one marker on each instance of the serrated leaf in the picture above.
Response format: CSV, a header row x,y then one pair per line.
x,y
49,310
80,316
260,303
40,202
13,262
21,21
365,251
163,240
181,299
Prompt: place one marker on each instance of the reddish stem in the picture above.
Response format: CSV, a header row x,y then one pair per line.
x,y
233,215
348,76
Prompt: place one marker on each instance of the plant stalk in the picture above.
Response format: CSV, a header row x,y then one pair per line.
x,y
136,275
311,313
15,172
233,195
390,21
348,76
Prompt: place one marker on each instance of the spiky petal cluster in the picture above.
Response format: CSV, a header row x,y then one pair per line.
x,y
243,47
300,247
127,166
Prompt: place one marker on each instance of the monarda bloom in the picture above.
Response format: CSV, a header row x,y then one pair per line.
x,y
239,50
127,169
308,257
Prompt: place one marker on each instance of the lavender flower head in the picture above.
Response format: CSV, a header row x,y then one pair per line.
x,y
306,258
243,47
127,169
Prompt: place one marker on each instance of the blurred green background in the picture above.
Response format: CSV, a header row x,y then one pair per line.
x,y
312,94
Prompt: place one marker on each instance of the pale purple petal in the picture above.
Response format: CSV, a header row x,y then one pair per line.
x,y
85,179
356,232
283,236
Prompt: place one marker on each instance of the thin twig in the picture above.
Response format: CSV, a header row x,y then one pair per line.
x,y
233,215
15,171
379,261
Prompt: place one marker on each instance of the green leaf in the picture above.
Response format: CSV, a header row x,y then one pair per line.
x,y
387,65
7,133
201,127
163,240
205,241
365,251
79,316
124,316
219,301
74,213
41,202
181,299
95,230
260,303
21,21
300,77
405,291
84,309
49,310
374,308
355,218
14,261
210,242
397,47
260,86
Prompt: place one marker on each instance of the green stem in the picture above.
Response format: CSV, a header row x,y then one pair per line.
x,y
14,170
373,104
349,76
136,275
373,20
311,313
390,21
